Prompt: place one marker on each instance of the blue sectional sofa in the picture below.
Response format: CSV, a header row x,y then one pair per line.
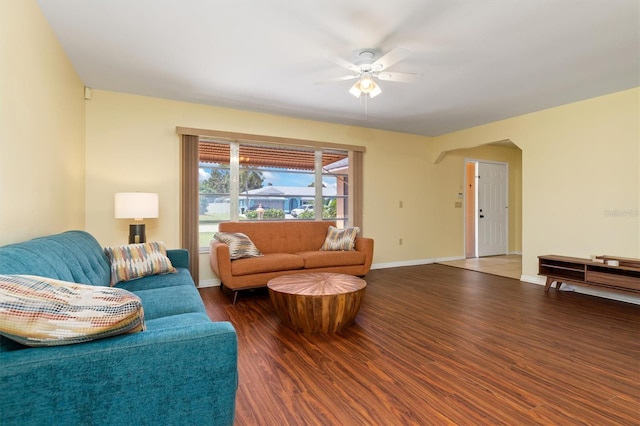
x,y
182,370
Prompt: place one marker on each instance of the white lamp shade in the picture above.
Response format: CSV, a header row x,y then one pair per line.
x,y
355,90
365,85
375,91
136,205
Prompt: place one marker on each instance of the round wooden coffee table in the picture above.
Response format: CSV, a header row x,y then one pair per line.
x,y
317,302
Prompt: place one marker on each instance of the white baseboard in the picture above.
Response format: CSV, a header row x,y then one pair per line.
x,y
583,289
448,259
533,279
209,283
414,262
593,291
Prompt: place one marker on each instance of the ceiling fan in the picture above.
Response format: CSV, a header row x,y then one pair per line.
x,y
366,68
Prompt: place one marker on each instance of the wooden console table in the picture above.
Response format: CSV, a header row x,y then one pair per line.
x,y
563,269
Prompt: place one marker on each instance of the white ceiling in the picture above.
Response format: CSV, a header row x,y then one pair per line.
x,y
480,60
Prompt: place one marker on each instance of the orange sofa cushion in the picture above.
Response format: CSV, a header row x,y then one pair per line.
x,y
270,262
325,259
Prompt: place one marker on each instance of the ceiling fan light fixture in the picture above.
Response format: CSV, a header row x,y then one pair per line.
x,y
367,69
365,85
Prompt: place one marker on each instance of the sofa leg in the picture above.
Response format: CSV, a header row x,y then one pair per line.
x,y
235,293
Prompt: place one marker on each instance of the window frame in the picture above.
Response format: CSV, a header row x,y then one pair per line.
x,y
193,135
234,167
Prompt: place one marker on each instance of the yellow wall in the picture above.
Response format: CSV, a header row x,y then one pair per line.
x,y
132,145
41,129
578,162
580,175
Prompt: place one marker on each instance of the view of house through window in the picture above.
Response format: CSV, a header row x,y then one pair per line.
x,y
241,181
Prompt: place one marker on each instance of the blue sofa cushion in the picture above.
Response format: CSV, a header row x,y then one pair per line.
x,y
74,256
167,301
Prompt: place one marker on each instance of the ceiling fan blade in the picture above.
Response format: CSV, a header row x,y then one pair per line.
x,y
392,57
400,77
344,63
343,78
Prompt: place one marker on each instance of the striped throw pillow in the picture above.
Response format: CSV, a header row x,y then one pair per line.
x,y
138,260
39,311
340,239
239,244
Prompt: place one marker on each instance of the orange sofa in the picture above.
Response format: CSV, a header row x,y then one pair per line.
x,y
289,247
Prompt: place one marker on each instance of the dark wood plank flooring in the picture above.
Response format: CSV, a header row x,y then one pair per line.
x,y
437,345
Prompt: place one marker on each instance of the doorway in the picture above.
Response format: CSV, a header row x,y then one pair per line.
x,y
486,208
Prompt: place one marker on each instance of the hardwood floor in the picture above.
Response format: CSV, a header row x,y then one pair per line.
x,y
435,345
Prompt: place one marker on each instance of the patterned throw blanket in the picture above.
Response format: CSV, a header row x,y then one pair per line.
x,y
38,311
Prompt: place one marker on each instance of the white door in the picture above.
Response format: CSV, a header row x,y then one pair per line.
x,y
492,218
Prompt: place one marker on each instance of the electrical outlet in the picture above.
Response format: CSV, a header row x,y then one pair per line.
x,y
401,204
400,241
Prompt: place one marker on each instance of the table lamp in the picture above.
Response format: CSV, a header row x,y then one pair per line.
x,y
136,206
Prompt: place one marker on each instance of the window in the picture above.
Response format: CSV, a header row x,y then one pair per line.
x,y
251,181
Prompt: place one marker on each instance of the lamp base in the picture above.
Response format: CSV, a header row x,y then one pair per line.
x,y
137,234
